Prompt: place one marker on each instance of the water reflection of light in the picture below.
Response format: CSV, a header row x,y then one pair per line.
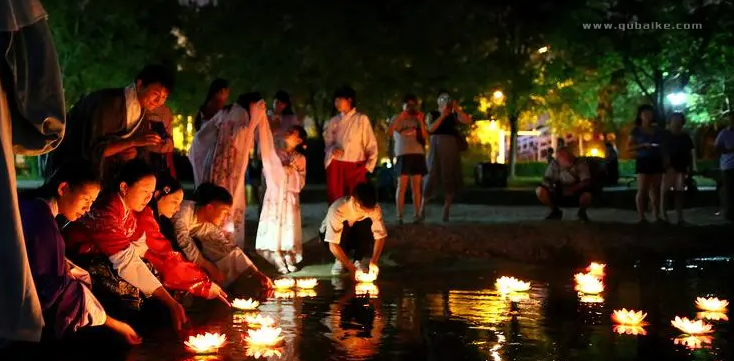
x,y
693,342
484,307
367,289
264,351
495,350
629,330
284,294
357,326
306,293
713,316
584,298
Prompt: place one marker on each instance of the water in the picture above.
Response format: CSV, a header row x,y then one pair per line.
x,y
459,316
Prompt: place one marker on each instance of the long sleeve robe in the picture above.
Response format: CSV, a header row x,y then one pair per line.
x,y
66,300
126,238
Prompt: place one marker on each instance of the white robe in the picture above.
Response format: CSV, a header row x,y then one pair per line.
x,y
220,153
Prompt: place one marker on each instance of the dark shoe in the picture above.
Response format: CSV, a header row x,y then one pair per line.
x,y
555,214
583,217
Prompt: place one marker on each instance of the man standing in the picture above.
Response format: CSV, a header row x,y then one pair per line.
x,y
351,147
107,127
725,148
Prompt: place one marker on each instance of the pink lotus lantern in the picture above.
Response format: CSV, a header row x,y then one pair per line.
x,y
265,336
206,343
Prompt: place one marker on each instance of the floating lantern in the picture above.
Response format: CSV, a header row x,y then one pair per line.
x,y
366,289
306,283
284,283
712,316
206,343
246,305
368,277
629,318
711,304
588,284
629,330
694,328
258,351
265,336
596,269
693,342
259,321
511,284
590,298
306,293
284,295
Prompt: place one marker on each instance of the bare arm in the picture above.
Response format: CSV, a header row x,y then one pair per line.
x,y
463,117
393,125
338,252
377,250
434,124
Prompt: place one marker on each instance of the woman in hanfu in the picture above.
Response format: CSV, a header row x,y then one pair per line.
x,y
279,238
63,288
220,153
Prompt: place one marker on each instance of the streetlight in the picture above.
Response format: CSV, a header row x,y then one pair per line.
x,y
498,95
678,98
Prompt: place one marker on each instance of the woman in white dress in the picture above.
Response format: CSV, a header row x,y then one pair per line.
x,y
221,150
279,231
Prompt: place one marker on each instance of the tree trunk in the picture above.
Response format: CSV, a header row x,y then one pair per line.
x,y
513,144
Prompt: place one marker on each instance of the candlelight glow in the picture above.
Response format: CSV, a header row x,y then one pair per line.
x,y
265,336
693,342
366,289
368,277
596,269
711,304
713,316
206,343
247,305
259,320
306,293
697,327
630,318
591,298
588,284
258,351
306,283
629,330
284,283
511,284
284,295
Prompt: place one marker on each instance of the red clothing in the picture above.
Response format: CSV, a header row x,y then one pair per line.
x,y
342,177
110,228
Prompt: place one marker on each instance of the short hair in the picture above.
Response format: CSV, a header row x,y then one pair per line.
x,y
681,115
409,98
442,91
366,195
346,92
208,193
152,74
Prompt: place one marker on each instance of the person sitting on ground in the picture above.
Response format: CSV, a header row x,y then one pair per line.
x,y
63,288
347,236
567,180
200,221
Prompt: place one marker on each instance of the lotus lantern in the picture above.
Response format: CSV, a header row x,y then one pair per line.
x,y
206,343
507,285
588,284
306,283
265,336
259,320
284,283
711,304
245,305
698,327
693,342
596,269
629,318
368,277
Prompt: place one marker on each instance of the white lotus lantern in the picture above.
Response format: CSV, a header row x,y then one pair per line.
x,y
368,277
245,305
711,304
507,285
588,284
629,317
306,283
264,336
596,269
694,328
206,343
284,283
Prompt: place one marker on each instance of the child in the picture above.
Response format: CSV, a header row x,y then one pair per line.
x,y
351,225
279,231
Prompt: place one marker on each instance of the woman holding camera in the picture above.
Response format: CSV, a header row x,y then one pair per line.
x,y
410,133
444,157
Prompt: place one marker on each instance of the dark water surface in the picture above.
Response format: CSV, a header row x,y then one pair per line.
x,y
459,316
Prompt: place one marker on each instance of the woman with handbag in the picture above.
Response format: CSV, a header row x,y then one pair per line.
x,y
444,156
410,133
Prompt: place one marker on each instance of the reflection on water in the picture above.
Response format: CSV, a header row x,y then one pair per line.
x,y
463,317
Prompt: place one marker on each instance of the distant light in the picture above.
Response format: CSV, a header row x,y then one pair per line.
x,y
498,94
678,98
543,50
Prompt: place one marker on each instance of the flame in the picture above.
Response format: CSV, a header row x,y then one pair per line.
x,y
284,283
693,342
206,343
306,293
259,320
629,330
258,351
630,318
591,298
506,285
265,336
368,277
366,289
596,269
306,283
588,284
247,305
691,327
711,304
284,294
713,316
